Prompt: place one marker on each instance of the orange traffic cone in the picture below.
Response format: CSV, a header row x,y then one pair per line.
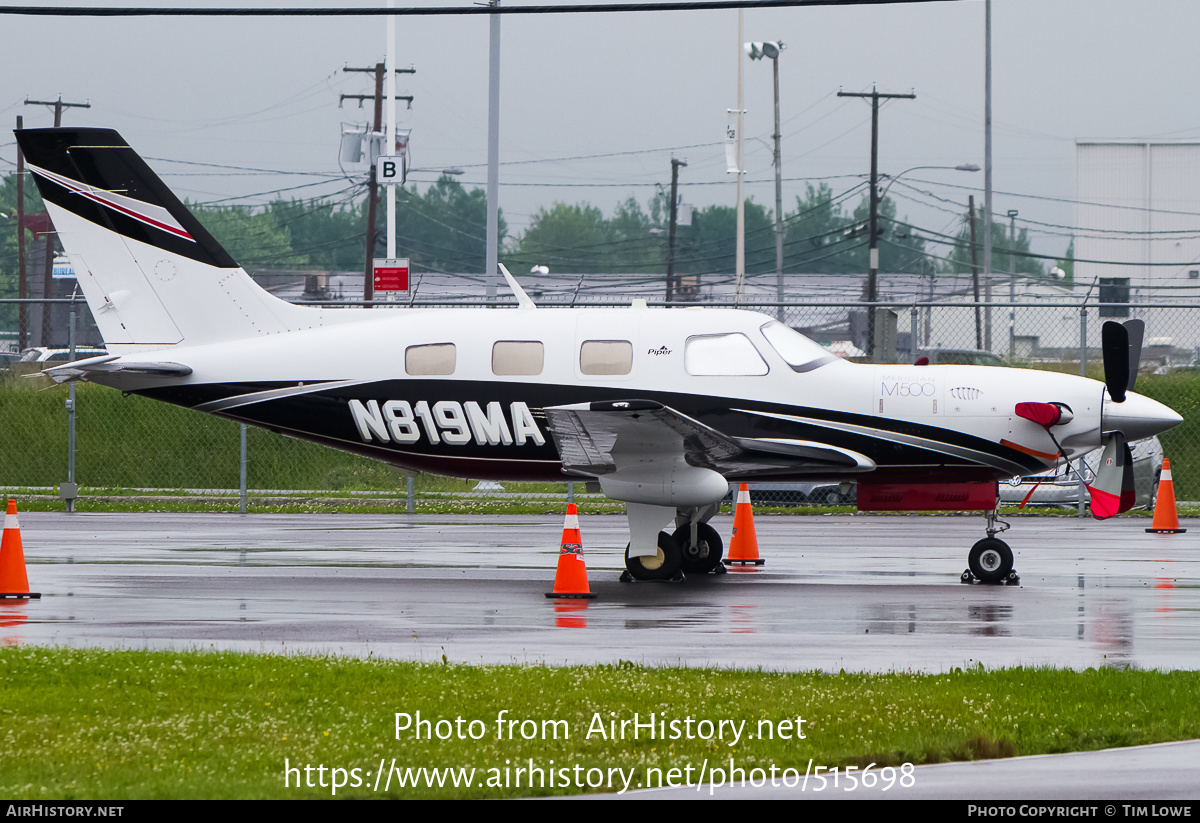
x,y
570,581
13,580
1166,521
743,545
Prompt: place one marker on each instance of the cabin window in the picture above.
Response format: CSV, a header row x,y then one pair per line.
x,y
722,355
518,357
606,357
797,350
435,358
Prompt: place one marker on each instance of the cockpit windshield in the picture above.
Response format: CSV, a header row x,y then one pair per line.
x,y
797,350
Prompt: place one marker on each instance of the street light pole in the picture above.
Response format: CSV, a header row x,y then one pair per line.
x,y
778,198
1012,284
739,264
883,196
771,50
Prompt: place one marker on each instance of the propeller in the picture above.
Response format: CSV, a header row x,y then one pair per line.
x,y
1124,419
1113,491
1122,347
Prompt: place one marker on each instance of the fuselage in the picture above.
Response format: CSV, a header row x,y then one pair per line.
x,y
461,391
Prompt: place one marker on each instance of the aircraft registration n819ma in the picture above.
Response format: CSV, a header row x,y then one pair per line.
x,y
661,407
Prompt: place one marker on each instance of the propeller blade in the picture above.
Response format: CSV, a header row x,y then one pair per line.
x,y
1113,491
1137,331
1114,342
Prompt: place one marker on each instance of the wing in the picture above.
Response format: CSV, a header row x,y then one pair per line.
x,y
605,437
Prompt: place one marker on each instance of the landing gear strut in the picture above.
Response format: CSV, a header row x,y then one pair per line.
x,y
991,560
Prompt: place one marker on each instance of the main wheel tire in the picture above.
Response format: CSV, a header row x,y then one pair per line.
x,y
663,565
990,560
705,555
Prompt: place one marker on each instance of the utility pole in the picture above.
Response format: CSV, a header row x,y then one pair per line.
x,y
22,309
873,263
492,253
48,280
59,105
372,185
675,164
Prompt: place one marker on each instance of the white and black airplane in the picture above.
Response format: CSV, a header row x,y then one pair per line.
x,y
661,408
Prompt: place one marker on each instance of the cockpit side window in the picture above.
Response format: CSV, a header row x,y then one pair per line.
x,y
796,350
722,355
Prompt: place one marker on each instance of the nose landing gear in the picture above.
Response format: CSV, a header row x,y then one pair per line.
x,y
991,560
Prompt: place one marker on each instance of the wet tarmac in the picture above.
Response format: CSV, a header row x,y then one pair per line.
x,y
859,592
837,592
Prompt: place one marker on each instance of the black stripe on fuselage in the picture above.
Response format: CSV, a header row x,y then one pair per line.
x,y
325,416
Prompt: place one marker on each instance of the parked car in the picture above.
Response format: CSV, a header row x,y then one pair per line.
x,y
1060,487
959,357
7,359
42,354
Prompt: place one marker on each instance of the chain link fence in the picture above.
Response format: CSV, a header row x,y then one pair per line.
x,y
128,446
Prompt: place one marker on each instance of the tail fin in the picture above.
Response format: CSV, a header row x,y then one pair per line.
x,y
152,275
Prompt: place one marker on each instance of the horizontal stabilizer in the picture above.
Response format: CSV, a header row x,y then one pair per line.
x,y
106,364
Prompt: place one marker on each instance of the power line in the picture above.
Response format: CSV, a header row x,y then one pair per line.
x,y
436,11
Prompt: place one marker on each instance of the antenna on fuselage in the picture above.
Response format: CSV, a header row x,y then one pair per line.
x,y
523,299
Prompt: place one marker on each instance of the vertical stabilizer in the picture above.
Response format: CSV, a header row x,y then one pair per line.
x,y
152,275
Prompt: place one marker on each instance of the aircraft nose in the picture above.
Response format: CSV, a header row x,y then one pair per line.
x,y
1138,417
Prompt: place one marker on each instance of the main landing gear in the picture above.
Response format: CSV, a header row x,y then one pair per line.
x,y
664,565
693,548
991,560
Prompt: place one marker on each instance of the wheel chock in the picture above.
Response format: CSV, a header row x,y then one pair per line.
x,y
626,577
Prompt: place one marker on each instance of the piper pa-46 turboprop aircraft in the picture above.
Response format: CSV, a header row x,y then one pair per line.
x,y
662,408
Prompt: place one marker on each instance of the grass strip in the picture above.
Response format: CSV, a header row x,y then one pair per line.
x,y
96,724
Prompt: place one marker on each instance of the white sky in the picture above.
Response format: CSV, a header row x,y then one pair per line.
x,y
263,93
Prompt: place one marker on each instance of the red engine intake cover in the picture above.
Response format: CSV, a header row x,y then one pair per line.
x,y
927,497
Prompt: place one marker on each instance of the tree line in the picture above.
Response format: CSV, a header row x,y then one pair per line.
x,y
443,229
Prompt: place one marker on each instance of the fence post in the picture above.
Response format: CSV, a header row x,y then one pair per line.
x,y
570,491
913,330
69,491
242,470
410,494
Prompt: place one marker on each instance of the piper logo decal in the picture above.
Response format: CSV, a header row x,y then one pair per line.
x,y
449,421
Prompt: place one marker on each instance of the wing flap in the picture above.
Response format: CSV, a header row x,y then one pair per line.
x,y
598,438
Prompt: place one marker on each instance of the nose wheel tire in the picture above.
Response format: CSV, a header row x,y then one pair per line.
x,y
990,560
702,556
663,565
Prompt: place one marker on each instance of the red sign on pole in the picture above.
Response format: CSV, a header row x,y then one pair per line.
x,y
391,275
